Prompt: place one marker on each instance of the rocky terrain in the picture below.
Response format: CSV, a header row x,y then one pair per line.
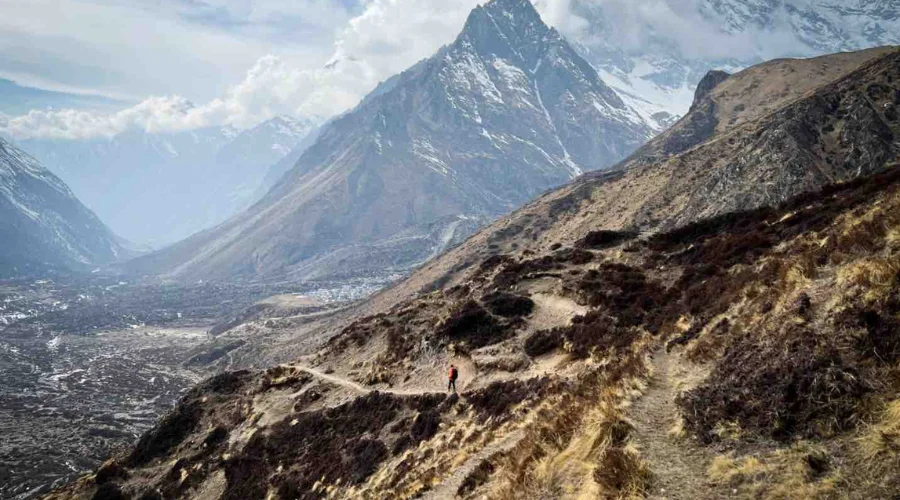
x,y
88,364
503,113
654,57
715,317
43,226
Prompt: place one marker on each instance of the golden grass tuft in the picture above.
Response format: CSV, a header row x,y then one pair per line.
x,y
882,440
872,279
800,472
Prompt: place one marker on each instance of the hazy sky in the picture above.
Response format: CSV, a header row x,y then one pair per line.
x,y
188,63
183,64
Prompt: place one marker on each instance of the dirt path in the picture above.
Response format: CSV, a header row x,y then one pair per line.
x,y
678,466
450,485
349,384
552,311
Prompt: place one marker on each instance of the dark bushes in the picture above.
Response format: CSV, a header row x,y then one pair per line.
x,y
495,400
508,305
167,434
472,324
626,293
109,491
344,443
598,240
225,383
596,330
109,472
795,386
513,272
542,342
574,256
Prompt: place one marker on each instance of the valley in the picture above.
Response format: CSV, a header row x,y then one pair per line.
x,y
89,363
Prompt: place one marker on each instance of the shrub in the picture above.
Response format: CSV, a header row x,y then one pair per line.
x,y
508,304
542,342
796,386
598,240
168,433
472,324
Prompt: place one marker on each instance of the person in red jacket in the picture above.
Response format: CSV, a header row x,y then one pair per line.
x,y
454,374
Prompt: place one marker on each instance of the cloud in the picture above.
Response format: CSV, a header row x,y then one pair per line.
x,y
367,49
310,57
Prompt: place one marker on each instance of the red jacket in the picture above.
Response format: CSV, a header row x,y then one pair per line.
x,y
453,374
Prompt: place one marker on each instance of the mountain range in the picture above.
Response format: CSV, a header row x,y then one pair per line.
x,y
157,188
503,113
713,317
43,226
655,55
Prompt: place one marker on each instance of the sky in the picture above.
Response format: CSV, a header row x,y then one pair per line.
x,y
184,64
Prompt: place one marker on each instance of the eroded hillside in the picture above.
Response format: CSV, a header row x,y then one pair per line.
x,y
753,354
690,325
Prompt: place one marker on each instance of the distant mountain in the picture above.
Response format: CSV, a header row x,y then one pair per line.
x,y
656,66
503,113
156,188
43,226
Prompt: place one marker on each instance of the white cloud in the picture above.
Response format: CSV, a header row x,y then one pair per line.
x,y
190,49
385,38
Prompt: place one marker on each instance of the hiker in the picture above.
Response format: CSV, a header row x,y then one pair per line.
x,y
454,374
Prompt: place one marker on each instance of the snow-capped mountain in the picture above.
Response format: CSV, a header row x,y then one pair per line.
x,y
156,188
490,121
43,226
655,53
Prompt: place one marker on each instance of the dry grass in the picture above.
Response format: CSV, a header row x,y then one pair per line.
x,y
578,445
882,440
803,471
870,279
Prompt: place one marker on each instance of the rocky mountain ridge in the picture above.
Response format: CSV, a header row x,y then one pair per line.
x,y
492,120
43,226
655,66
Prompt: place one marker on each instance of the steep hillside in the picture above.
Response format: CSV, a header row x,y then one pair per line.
x,y
43,227
744,349
751,356
492,120
836,124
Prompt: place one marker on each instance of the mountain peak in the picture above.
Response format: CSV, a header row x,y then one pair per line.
x,y
506,28
709,82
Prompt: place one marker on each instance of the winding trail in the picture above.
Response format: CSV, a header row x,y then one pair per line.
x,y
450,485
678,466
354,386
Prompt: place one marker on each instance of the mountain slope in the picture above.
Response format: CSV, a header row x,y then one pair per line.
x,y
805,124
503,113
42,225
157,188
654,57
614,339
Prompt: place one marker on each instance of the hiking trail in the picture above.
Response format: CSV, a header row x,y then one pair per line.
x,y
678,466
357,387
447,489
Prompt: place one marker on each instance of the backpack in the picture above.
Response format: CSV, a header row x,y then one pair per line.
x,y
453,374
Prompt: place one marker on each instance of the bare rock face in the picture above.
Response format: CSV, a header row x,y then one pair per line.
x,y
503,113
43,226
